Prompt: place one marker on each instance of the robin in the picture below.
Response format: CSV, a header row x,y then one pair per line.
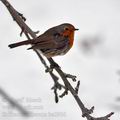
x,y
55,41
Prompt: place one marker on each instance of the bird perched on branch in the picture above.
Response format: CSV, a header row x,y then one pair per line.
x,y
55,41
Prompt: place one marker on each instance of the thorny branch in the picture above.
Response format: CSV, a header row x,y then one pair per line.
x,y
20,19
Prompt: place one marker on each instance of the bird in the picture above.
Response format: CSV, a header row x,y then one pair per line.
x,y
57,40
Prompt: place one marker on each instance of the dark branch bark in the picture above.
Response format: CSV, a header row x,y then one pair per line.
x,y
19,18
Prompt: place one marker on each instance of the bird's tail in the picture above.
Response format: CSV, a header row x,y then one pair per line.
x,y
26,42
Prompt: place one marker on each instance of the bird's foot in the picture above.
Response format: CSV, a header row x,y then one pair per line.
x,y
54,65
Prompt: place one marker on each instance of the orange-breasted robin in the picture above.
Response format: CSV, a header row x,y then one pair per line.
x,y
55,41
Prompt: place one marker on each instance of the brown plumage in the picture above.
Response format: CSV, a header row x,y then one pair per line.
x,y
55,41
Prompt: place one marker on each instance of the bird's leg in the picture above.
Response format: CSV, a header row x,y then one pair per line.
x,y
53,64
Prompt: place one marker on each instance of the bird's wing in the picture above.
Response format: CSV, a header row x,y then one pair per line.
x,y
48,42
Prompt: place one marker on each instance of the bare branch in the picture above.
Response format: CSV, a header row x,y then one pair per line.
x,y
53,65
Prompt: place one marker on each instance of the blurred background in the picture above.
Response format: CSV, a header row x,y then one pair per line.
x,y
94,59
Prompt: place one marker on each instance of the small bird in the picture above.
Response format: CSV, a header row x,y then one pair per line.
x,y
55,41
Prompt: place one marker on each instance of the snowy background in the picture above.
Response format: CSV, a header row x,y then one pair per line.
x,y
94,59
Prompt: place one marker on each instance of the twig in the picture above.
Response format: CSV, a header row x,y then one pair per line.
x,y
77,87
85,112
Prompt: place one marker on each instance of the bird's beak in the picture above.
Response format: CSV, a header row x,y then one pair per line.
x,y
76,29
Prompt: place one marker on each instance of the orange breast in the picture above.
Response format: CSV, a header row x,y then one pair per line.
x,y
71,38
70,34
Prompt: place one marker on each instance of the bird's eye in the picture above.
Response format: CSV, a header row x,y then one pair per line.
x,y
66,28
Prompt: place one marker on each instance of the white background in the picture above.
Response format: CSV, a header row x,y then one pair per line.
x,y
22,74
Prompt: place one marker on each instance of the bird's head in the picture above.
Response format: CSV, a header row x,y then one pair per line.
x,y
67,30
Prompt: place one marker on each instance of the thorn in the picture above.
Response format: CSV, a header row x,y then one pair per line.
x,y
77,87
73,77
21,15
22,31
110,114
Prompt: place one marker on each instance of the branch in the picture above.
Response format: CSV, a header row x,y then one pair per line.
x,y
20,20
